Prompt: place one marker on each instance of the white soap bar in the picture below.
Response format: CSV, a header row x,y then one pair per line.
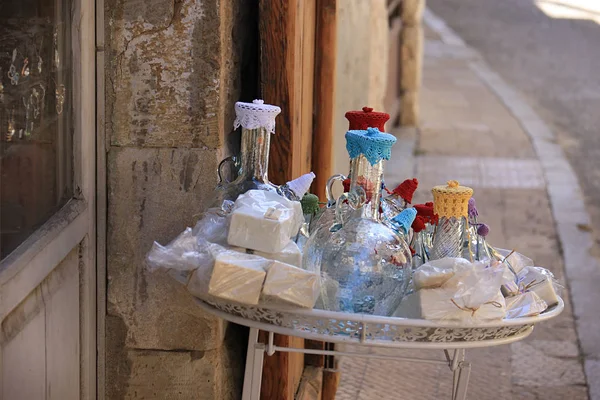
x,y
255,225
526,304
238,277
538,280
292,285
440,304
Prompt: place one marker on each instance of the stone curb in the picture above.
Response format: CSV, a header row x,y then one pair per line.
x,y
568,207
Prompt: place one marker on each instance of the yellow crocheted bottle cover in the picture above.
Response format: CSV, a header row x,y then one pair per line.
x,y
451,200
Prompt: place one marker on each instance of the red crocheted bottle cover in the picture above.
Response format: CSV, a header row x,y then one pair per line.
x,y
367,118
418,224
406,189
425,211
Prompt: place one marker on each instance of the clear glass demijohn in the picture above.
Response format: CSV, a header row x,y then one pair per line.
x,y
251,166
365,265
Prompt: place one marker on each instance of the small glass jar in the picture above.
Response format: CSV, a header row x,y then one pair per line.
x,y
251,166
365,265
450,203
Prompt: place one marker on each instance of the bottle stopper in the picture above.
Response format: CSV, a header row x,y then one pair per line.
x,y
406,189
367,118
301,184
405,219
371,143
255,115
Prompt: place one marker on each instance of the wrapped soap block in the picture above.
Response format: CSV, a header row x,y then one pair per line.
x,y
291,254
238,277
264,221
436,273
290,284
517,261
527,304
540,281
443,304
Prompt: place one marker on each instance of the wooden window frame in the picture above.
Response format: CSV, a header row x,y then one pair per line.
x,y
74,224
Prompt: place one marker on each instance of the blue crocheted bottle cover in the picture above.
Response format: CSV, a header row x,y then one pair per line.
x,y
374,145
405,219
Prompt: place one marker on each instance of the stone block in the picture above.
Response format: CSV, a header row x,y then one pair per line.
x,y
185,375
153,194
172,78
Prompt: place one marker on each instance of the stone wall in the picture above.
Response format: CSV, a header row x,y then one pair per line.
x,y
173,73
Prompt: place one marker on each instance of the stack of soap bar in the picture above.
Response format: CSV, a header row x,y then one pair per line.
x,y
291,284
291,254
526,304
441,304
238,277
264,221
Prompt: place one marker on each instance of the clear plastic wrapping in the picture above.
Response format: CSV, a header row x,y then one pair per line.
x,y
238,277
527,304
458,290
183,253
264,221
291,285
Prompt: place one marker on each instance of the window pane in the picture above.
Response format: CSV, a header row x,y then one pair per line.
x,y
35,115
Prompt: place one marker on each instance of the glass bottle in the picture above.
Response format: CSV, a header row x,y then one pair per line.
x,y
258,123
357,120
423,228
398,200
450,203
365,265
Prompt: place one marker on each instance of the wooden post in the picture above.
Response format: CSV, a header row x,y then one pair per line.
x,y
411,64
287,58
325,55
287,39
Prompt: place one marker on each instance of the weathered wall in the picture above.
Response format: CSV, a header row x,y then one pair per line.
x,y
173,74
361,66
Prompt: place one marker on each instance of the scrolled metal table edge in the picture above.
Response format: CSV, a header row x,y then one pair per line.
x,y
368,331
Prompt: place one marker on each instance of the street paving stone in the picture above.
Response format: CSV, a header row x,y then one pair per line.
x,y
467,134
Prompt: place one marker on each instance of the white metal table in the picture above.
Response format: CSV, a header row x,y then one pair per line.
x,y
368,330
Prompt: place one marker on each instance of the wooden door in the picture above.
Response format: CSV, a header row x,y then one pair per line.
x,y
297,60
48,267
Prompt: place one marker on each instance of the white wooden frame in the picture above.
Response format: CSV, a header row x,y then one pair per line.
x,y
75,223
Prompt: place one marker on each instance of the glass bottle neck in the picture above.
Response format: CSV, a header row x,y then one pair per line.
x,y
369,178
254,155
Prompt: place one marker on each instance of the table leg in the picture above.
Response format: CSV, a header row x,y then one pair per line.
x,y
248,372
463,380
461,373
257,369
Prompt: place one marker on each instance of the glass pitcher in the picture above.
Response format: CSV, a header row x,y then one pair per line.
x,y
365,266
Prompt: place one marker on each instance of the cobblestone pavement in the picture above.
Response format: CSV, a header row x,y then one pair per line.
x,y
467,134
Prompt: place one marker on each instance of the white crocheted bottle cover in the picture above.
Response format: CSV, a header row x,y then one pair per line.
x,y
255,115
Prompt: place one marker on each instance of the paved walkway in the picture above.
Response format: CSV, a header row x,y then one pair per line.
x,y
468,134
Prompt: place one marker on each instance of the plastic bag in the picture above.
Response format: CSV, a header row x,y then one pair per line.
x,y
214,224
527,304
458,290
435,273
264,221
183,253
542,282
